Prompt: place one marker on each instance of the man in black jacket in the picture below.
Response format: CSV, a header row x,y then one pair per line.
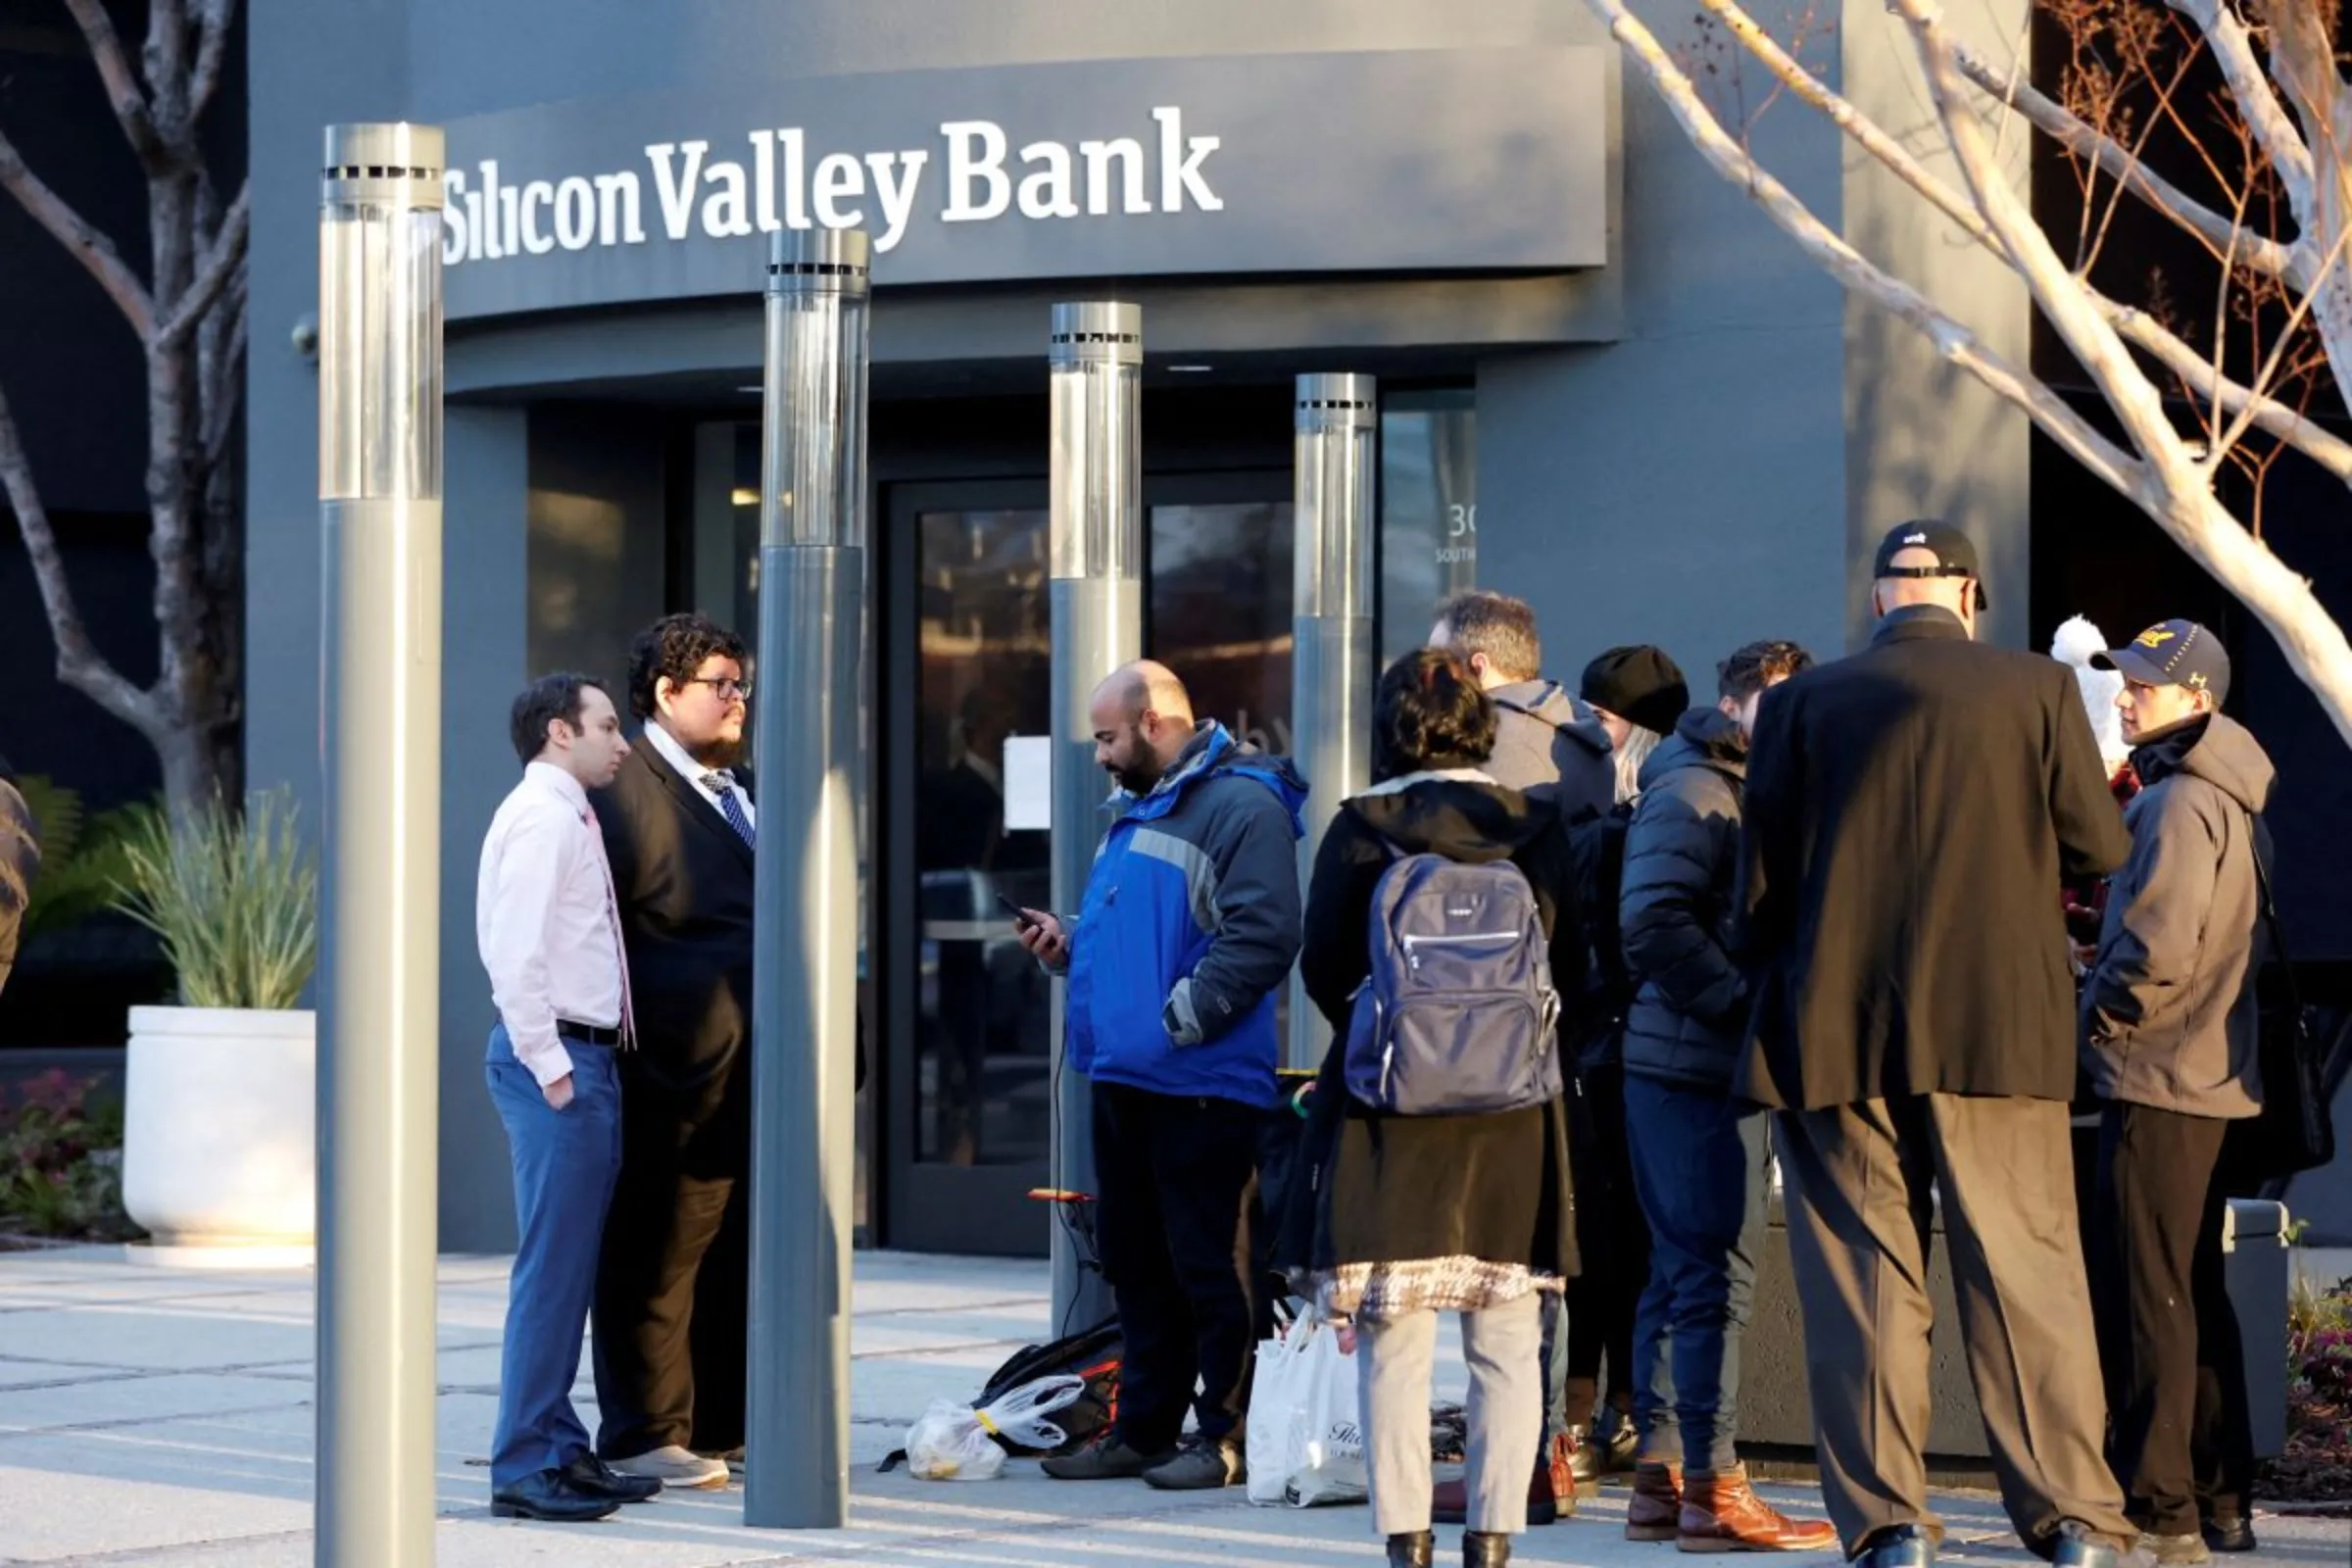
x,y
679,829
1699,1154
1910,812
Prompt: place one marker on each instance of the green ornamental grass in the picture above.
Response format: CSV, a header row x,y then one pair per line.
x,y
233,898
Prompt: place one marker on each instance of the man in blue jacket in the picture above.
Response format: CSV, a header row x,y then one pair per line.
x,y
1188,930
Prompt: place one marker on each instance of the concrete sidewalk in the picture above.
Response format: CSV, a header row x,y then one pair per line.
x,y
162,1417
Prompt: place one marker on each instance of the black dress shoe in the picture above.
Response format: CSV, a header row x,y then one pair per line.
x,y
593,1478
550,1496
2234,1533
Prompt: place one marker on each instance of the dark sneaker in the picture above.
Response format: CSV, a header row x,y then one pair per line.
x,y
2177,1549
2228,1534
1106,1459
1199,1464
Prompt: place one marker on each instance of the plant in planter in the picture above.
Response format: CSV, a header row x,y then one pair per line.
x,y
218,1101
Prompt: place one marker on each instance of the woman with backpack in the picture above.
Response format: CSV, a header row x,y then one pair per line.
x,y
1420,1210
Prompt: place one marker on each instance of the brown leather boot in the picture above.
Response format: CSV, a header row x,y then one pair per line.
x,y
1547,1501
1721,1512
1655,1510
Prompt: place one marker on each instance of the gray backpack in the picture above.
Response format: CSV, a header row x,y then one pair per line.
x,y
1458,1016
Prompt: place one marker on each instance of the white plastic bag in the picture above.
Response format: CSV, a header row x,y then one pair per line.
x,y
1305,1447
953,1442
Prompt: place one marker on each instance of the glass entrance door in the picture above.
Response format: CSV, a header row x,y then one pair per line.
x,y
968,661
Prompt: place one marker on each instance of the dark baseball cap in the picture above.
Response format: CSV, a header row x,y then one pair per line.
x,y
2173,653
1955,554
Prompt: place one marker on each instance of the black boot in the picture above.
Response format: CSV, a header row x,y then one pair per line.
x,y
1485,1551
1411,1551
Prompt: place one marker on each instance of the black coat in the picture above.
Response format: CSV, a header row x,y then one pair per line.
x,y
1673,915
1910,812
1388,1189
683,879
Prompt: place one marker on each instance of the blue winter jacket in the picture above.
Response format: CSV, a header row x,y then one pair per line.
x,y
1190,926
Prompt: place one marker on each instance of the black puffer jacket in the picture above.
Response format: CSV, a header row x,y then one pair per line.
x,y
1675,910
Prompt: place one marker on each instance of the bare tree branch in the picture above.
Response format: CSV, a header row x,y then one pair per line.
x,y
93,249
2233,51
211,50
1952,340
80,664
2270,415
2052,284
2164,481
2055,121
224,262
121,84
2273,418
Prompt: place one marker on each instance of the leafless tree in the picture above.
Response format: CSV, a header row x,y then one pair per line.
x,y
2281,336
188,309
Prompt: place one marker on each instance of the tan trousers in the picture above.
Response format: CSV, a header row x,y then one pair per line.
x,y
1506,1415
1859,1179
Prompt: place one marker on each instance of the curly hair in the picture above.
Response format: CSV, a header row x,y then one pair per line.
x,y
1429,712
1758,665
675,647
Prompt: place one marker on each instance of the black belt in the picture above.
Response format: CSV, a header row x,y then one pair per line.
x,y
587,1033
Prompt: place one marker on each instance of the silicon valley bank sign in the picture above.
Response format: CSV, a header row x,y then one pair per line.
x,y
1409,161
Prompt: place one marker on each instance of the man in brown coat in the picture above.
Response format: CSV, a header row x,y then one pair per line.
x,y
1910,812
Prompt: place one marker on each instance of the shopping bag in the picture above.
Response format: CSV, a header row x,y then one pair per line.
x,y
1332,1467
954,1441
1305,1445
1275,1442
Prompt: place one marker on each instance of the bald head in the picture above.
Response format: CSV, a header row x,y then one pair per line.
x,y
1141,719
1955,594
1146,685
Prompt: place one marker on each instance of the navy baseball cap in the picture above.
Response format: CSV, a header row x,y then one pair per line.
x,y
1955,554
2173,653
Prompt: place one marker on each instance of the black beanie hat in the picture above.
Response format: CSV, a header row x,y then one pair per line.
x,y
1637,683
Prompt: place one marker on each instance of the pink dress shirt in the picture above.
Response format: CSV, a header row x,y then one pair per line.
x,y
544,918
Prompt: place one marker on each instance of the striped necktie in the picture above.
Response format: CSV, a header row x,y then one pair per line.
x,y
721,783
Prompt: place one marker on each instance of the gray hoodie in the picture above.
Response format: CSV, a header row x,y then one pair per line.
x,y
1550,746
2169,1011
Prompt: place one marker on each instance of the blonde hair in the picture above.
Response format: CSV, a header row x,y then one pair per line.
x,y
1629,757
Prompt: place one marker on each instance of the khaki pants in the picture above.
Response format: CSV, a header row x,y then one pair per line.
x,y
1859,1181
1398,1356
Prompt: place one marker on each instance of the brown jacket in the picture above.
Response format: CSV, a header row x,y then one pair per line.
x,y
2170,1017
1910,812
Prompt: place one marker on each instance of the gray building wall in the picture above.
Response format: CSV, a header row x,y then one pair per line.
x,y
1673,469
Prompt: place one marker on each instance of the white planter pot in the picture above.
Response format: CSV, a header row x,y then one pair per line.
x,y
219,1126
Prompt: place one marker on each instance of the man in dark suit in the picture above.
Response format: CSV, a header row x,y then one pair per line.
x,y
1910,811
679,829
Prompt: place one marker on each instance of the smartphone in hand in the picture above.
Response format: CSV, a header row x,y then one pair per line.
x,y
1020,916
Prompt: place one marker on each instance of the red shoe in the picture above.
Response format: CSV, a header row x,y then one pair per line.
x,y
1721,1512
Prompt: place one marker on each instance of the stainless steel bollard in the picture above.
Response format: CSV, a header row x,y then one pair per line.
x,y
1095,356
810,777
1335,474
380,501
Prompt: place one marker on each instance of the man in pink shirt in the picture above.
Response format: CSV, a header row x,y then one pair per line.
x,y
549,936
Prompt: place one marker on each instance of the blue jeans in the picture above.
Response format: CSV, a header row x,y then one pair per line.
x,y
564,1163
1701,1167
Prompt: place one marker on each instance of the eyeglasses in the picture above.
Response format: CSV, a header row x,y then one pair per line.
x,y
726,688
